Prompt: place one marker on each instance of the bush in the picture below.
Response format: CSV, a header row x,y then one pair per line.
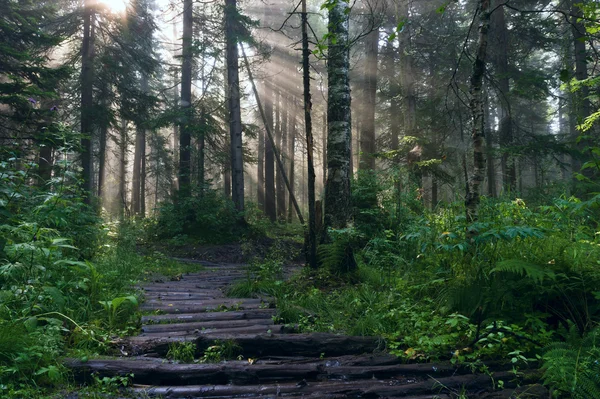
x,y
211,219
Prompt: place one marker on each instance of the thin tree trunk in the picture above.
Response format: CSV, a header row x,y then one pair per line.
x,y
87,97
122,199
260,180
279,185
581,102
201,152
499,41
235,112
491,171
281,200
407,82
269,158
291,155
185,138
139,157
367,124
312,227
472,198
338,210
324,145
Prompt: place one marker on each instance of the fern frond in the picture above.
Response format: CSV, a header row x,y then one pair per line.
x,y
521,268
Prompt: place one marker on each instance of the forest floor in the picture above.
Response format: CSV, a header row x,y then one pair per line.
x,y
196,342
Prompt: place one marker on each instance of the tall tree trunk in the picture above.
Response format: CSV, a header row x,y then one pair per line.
x,y
202,151
269,158
291,156
235,113
87,97
122,194
581,103
139,158
367,123
185,137
338,210
279,185
102,158
175,138
472,198
324,146
499,57
489,140
260,180
407,81
312,227
143,182
281,200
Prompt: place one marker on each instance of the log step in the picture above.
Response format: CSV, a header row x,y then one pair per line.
x,y
407,388
161,328
242,372
190,334
253,345
210,316
177,307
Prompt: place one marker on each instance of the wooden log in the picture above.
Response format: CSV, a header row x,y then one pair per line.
x,y
352,389
249,329
245,373
176,307
158,328
202,303
253,345
180,296
210,316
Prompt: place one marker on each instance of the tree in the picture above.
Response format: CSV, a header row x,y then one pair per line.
x,y
185,135
87,96
338,210
472,198
232,31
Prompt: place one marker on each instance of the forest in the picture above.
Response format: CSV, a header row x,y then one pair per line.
x,y
324,198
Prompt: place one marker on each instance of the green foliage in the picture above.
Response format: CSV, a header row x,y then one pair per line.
x,y
210,218
572,368
221,350
183,352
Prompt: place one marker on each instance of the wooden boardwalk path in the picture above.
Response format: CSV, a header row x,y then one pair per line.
x,y
274,360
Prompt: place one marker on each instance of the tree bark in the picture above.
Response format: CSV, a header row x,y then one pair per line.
x,y
122,200
281,117
185,138
472,198
489,140
291,156
367,125
312,231
338,210
407,82
499,41
269,158
281,208
139,158
87,98
235,113
260,180
581,103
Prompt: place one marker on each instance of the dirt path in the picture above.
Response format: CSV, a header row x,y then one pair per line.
x,y
274,360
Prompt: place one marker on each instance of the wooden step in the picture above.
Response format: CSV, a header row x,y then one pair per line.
x,y
406,388
252,345
210,316
161,328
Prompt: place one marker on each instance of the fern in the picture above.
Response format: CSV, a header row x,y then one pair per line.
x,y
524,269
572,368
